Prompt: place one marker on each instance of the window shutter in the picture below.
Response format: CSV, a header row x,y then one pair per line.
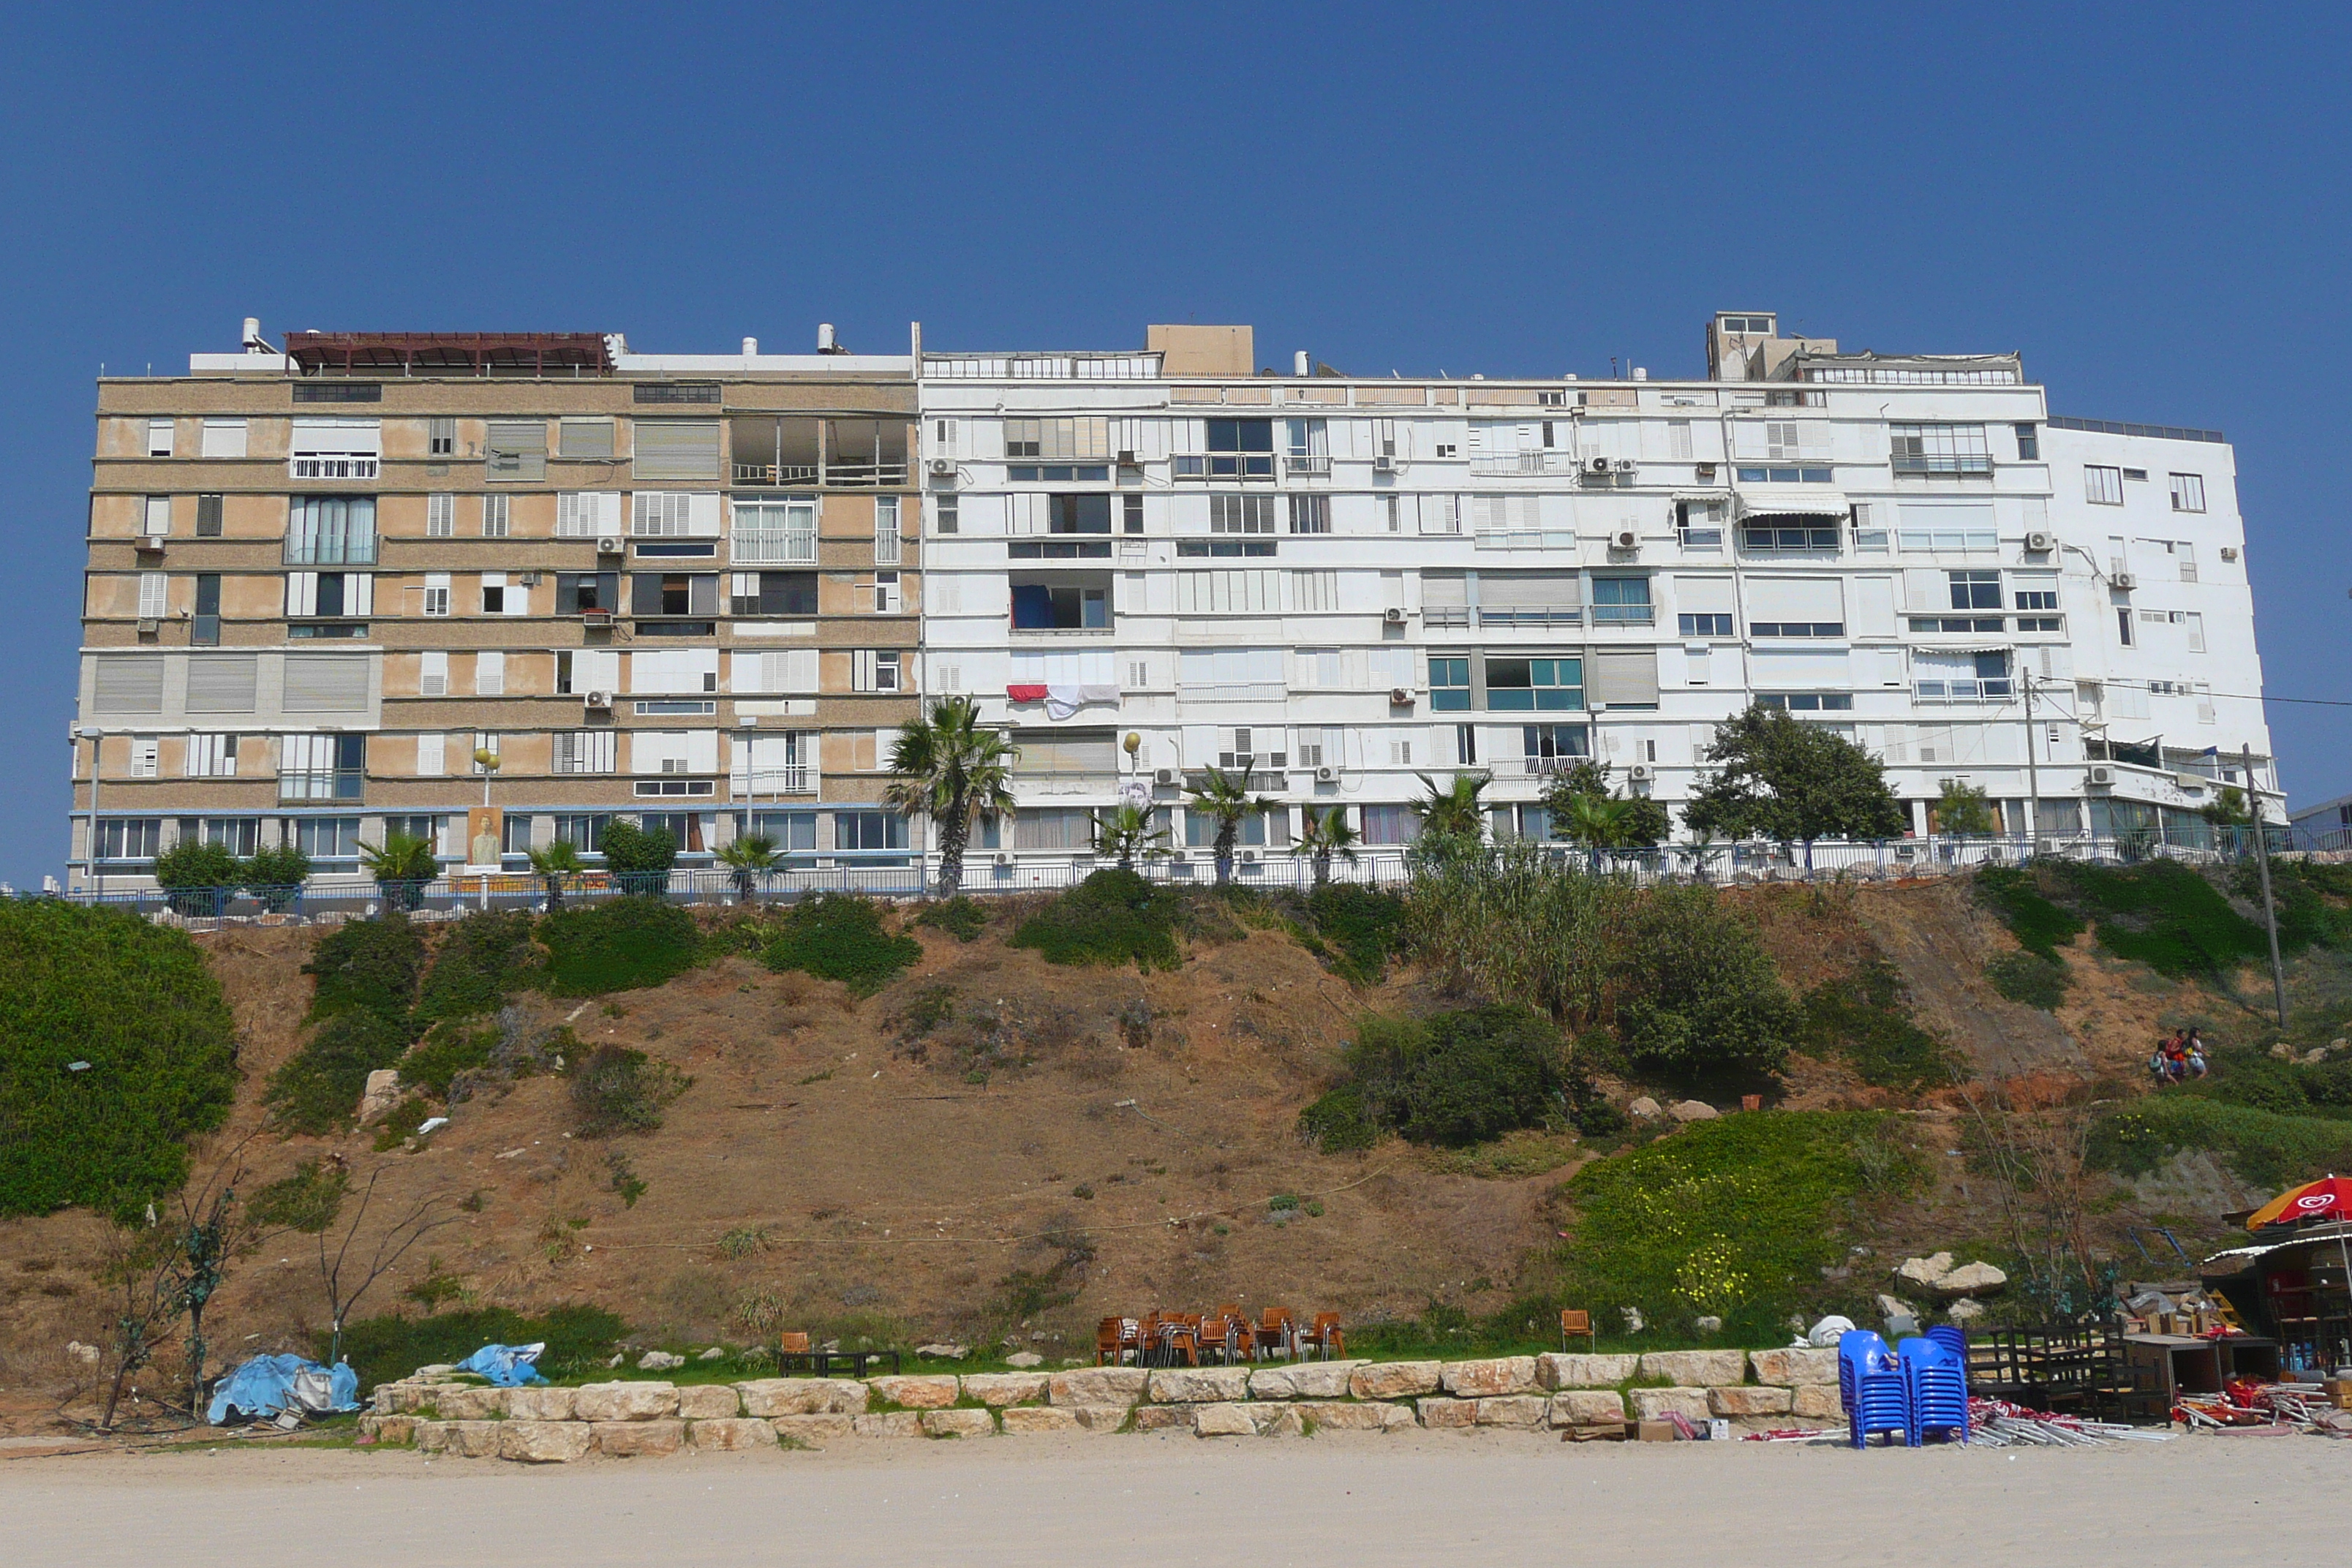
x,y
586,437
223,682
326,683
1445,590
359,592
130,684
152,588
301,593
702,515
1531,591
518,449
861,670
595,669
1624,677
431,755
224,439
702,593
156,522
433,674
489,674
159,437
676,449
1704,596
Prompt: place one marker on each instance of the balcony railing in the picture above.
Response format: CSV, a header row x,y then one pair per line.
x,y
774,546
324,466
1224,465
1536,767
1991,689
360,552
1947,463
331,783
864,476
1546,618
1505,464
793,778
1621,615
1303,463
775,473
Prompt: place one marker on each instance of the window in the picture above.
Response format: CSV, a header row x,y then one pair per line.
x,y
337,392
583,750
1623,601
873,669
1237,449
1700,522
1939,449
2124,623
330,531
1961,676
1240,514
433,673
490,674
774,594
1309,514
2029,444
1247,748
773,532
153,590
208,517
675,392
1055,605
791,829
159,437
1707,625
1942,539
1678,440
673,592
1316,745
884,593
330,595
1547,746
1200,829
335,448
327,837
1763,539
864,830
1449,684
204,630
946,513
321,767
129,837
440,516
1037,550
2102,486
495,516
155,517
1058,441
1974,590
1386,825
517,450
146,756
2136,474
1132,511
437,592
1079,514
1522,684
886,531
589,439
1310,446
441,437
2188,492
238,835
1780,476
2037,598
1807,701
222,438
584,831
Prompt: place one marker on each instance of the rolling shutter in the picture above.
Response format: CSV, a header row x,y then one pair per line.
x,y
1531,591
129,684
586,437
676,449
1804,599
326,683
223,682
518,449
1624,677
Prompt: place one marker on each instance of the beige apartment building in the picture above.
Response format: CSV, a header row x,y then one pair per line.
x,y
496,590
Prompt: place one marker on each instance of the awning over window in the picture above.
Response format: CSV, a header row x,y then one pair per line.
x,y
1792,501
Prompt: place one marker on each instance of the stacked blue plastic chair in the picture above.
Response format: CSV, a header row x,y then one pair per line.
x,y
1953,1338
1937,1383
1872,1384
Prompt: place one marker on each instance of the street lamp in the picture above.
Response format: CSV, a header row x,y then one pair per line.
x,y
97,739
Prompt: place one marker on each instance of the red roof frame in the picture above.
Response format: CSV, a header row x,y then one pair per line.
x,y
474,353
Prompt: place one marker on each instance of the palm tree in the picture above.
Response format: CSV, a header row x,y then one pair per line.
x,y
1457,811
554,865
1597,822
745,856
1228,801
1126,833
1323,834
400,867
948,768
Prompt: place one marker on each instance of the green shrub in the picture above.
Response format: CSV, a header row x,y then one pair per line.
x,y
1453,1079
2031,979
2039,925
1696,991
618,1090
2167,916
1113,917
200,877
579,1340
2307,898
961,918
307,1202
137,1003
840,936
275,875
1341,1120
638,861
2264,1148
317,1088
1864,1021
371,966
623,944
481,961
1366,925
448,1050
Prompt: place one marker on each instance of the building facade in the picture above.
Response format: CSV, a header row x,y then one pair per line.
x,y
1147,565
493,590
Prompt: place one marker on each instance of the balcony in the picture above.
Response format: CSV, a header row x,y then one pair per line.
x,y
864,476
1510,464
1306,465
1942,463
1535,767
775,473
329,784
329,466
1214,465
1537,620
793,778
1992,689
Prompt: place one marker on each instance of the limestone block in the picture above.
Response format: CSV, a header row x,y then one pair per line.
x,y
729,1435
708,1402
1223,1421
1924,1271
1747,1401
1373,1417
474,1439
380,1094
888,1424
815,1429
1027,1420
1817,1402
1165,1417
1587,1407
388,1429
1303,1380
474,1403
542,1403
802,1396
1199,1384
1489,1379
1098,1385
1557,1370
1655,1404
431,1437
625,1401
1972,1280
1102,1417
916,1393
959,1424
1693,1110
1393,1379
543,1442
1791,1367
1444,1412
1002,1388
631,1439
1277,1421
1513,1410
391,1399
1644,1108
1702,1369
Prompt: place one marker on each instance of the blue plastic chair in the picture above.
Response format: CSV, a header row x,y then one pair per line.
x,y
1936,1383
1872,1386
1953,1338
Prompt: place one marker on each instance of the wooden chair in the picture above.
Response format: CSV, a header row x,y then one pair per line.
x,y
1178,1337
1215,1337
795,1355
1326,1337
1572,1323
1276,1333
1108,1344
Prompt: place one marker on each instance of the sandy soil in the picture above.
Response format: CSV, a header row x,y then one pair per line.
x,y
1361,1500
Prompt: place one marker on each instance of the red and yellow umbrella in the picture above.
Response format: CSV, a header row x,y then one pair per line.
x,y
2330,1197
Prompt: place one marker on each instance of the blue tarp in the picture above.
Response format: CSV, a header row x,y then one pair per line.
x,y
264,1385
505,1365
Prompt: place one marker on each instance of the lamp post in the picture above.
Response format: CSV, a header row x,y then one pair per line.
x,y
97,739
488,760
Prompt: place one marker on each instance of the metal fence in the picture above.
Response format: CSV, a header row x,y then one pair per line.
x,y
985,873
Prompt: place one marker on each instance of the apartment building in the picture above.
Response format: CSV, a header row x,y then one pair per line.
x,y
1144,564
495,590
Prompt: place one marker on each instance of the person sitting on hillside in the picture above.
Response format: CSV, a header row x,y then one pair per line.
x,y
2171,1063
2193,1055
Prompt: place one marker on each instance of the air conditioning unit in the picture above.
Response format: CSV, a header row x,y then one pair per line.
x,y
150,626
1163,775
149,545
1000,858
1249,857
943,468
1327,773
1625,539
1393,616
1706,472
2228,552
1127,460
1384,464
609,544
1641,772
599,700
2100,775
1400,696
2124,580
2041,542
596,617
1598,466
529,579
1628,466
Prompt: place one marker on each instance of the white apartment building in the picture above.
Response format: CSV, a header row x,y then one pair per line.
x,y
1144,564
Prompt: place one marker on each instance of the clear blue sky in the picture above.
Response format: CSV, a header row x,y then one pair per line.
x,y
2149,201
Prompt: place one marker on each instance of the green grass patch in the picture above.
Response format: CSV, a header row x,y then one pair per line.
x,y
625,944
2039,924
481,962
446,1050
1113,917
2264,1148
579,1340
840,936
135,1000
2031,979
367,966
1864,1021
366,974
961,918
618,1090
1450,1079
1365,925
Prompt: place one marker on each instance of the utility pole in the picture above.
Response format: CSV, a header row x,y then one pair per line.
x,y
2262,860
2032,774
